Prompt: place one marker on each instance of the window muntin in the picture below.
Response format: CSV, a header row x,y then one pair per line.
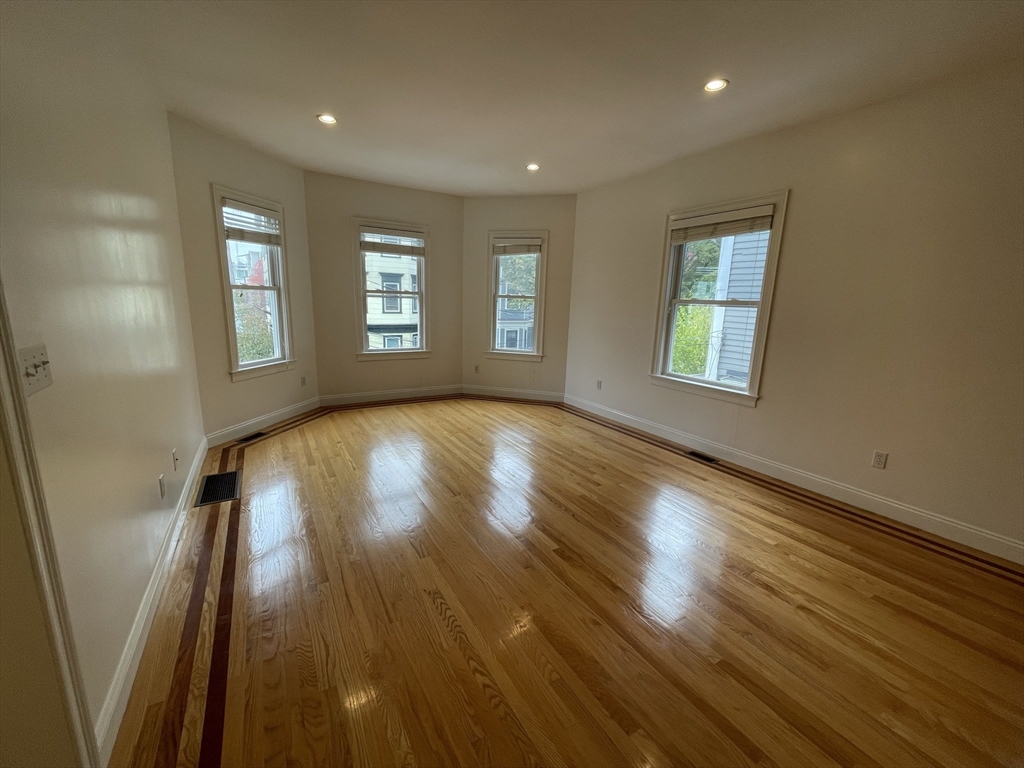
x,y
517,281
721,263
254,254
392,264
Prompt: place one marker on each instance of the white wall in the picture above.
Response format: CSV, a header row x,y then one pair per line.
x,y
897,319
90,257
331,204
203,158
556,214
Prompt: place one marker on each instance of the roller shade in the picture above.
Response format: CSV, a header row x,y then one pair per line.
x,y
394,242
738,222
250,224
519,245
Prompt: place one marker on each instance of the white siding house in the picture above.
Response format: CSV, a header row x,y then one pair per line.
x,y
740,275
392,322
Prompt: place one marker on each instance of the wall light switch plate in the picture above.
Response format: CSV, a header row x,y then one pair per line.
x,y
34,365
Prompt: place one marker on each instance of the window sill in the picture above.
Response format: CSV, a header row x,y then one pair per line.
x,y
261,370
523,357
412,354
707,390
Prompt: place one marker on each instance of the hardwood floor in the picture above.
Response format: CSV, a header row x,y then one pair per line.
x,y
480,583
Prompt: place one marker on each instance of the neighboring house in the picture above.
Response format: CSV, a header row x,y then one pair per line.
x,y
392,322
515,324
740,274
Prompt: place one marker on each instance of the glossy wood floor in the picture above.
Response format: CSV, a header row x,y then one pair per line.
x,y
480,583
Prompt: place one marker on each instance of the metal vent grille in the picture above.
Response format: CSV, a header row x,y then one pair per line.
x,y
701,457
213,489
250,438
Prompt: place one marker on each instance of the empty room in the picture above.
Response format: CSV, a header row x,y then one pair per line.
x,y
583,384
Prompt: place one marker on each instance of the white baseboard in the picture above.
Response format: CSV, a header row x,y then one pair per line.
x,y
109,720
947,527
247,427
390,394
519,394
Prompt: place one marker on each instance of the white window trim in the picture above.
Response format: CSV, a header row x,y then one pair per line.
x,y
538,304
363,353
746,396
238,371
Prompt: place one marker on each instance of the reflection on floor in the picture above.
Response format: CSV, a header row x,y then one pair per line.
x,y
480,583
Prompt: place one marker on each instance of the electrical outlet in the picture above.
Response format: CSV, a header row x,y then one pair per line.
x,y
476,369
174,457
163,487
599,383
302,381
879,459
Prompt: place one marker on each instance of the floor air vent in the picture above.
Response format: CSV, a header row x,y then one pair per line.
x,y
213,489
702,457
250,438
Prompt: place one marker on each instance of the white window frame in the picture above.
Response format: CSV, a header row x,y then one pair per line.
x,y
237,370
493,237
420,296
775,204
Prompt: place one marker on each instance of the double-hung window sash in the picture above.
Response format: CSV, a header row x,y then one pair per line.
x,y
718,264
253,243
516,282
392,270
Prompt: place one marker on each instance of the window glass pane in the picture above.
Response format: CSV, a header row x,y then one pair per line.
x,y
393,336
257,328
400,271
392,322
714,343
723,267
514,326
250,263
517,274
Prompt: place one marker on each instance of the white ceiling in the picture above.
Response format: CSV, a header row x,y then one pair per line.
x,y
458,97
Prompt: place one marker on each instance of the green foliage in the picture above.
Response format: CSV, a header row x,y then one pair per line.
x,y
691,335
519,275
698,278
253,331
699,272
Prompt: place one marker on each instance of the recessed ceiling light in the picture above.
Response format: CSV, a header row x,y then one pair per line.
x,y
715,85
325,118
533,167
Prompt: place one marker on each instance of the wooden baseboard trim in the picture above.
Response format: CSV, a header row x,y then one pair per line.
x,y
984,561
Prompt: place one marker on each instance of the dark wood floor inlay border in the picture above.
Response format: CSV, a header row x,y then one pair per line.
x,y
177,699
216,692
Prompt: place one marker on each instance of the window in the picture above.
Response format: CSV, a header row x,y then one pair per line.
x,y
391,264
252,253
391,282
517,293
718,279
